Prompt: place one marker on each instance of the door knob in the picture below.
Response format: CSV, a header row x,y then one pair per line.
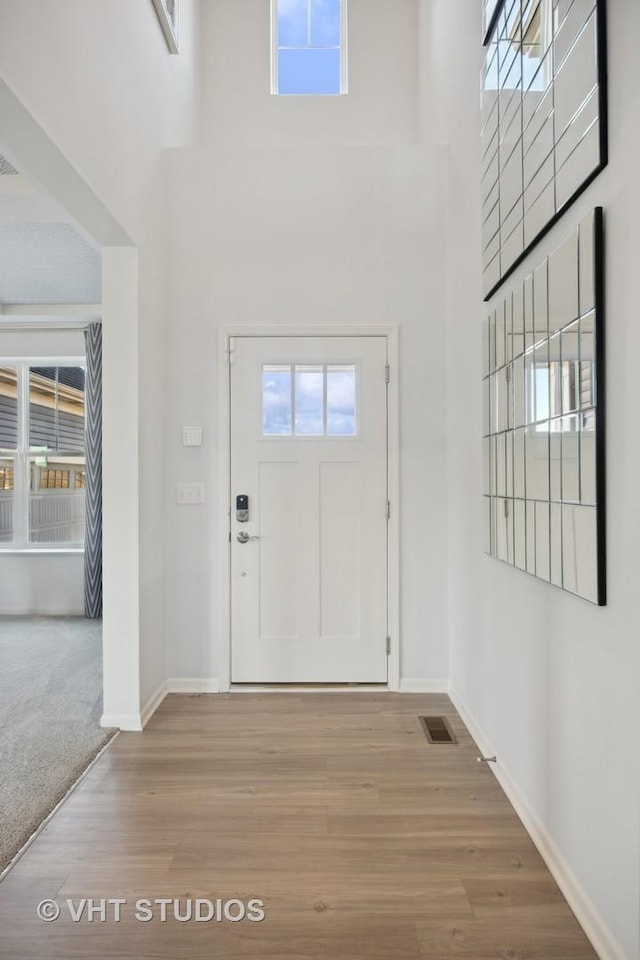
x,y
244,537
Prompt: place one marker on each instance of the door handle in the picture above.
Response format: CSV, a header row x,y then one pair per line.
x,y
243,537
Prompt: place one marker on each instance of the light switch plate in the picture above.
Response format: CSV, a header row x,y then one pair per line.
x,y
192,436
189,493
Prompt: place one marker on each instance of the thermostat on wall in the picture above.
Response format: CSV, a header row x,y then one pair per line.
x,y
192,436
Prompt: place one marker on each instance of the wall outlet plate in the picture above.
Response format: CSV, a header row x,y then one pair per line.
x,y
190,493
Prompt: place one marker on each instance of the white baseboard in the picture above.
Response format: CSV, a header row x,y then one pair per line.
x,y
306,688
177,685
46,612
122,721
136,722
193,685
153,703
587,914
424,685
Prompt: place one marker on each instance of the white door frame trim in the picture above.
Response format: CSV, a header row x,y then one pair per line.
x,y
222,619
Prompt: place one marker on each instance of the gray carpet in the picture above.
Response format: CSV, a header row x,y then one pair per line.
x,y
50,706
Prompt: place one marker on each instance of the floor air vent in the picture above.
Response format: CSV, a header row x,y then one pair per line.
x,y
437,730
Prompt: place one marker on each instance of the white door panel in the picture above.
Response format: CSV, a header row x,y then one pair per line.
x,y
309,593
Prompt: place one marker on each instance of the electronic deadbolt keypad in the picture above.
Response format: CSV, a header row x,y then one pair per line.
x,y
242,508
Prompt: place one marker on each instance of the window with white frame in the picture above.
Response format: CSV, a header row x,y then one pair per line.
x,y
309,400
309,50
42,462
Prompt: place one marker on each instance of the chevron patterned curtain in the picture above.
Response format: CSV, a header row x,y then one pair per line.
x,y
93,516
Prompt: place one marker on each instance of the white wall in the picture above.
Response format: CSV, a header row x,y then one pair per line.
x,y
306,212
238,107
46,582
41,343
100,84
43,584
99,80
549,681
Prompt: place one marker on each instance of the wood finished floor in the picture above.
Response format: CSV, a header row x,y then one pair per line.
x,y
363,841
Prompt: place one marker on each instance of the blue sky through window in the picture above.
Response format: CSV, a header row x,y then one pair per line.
x,y
309,401
292,23
309,42
341,402
325,23
276,402
316,415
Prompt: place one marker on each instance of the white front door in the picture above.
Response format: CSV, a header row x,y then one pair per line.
x,y
309,562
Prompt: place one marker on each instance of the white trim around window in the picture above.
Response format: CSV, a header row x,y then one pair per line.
x,y
344,59
22,456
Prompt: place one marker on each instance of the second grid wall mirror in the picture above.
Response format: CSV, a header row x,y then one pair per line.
x,y
544,446
544,122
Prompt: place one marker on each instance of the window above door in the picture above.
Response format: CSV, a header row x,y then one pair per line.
x,y
309,47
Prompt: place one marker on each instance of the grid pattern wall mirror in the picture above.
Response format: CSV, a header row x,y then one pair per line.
x,y
490,11
544,474
168,15
544,122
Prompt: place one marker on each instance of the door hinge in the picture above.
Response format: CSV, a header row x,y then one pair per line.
x,y
232,350
387,373
388,645
388,509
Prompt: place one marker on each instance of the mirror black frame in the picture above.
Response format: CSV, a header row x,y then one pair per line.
x,y
491,25
602,75
494,491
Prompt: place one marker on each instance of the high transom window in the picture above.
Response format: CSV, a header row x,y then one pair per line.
x,y
309,47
